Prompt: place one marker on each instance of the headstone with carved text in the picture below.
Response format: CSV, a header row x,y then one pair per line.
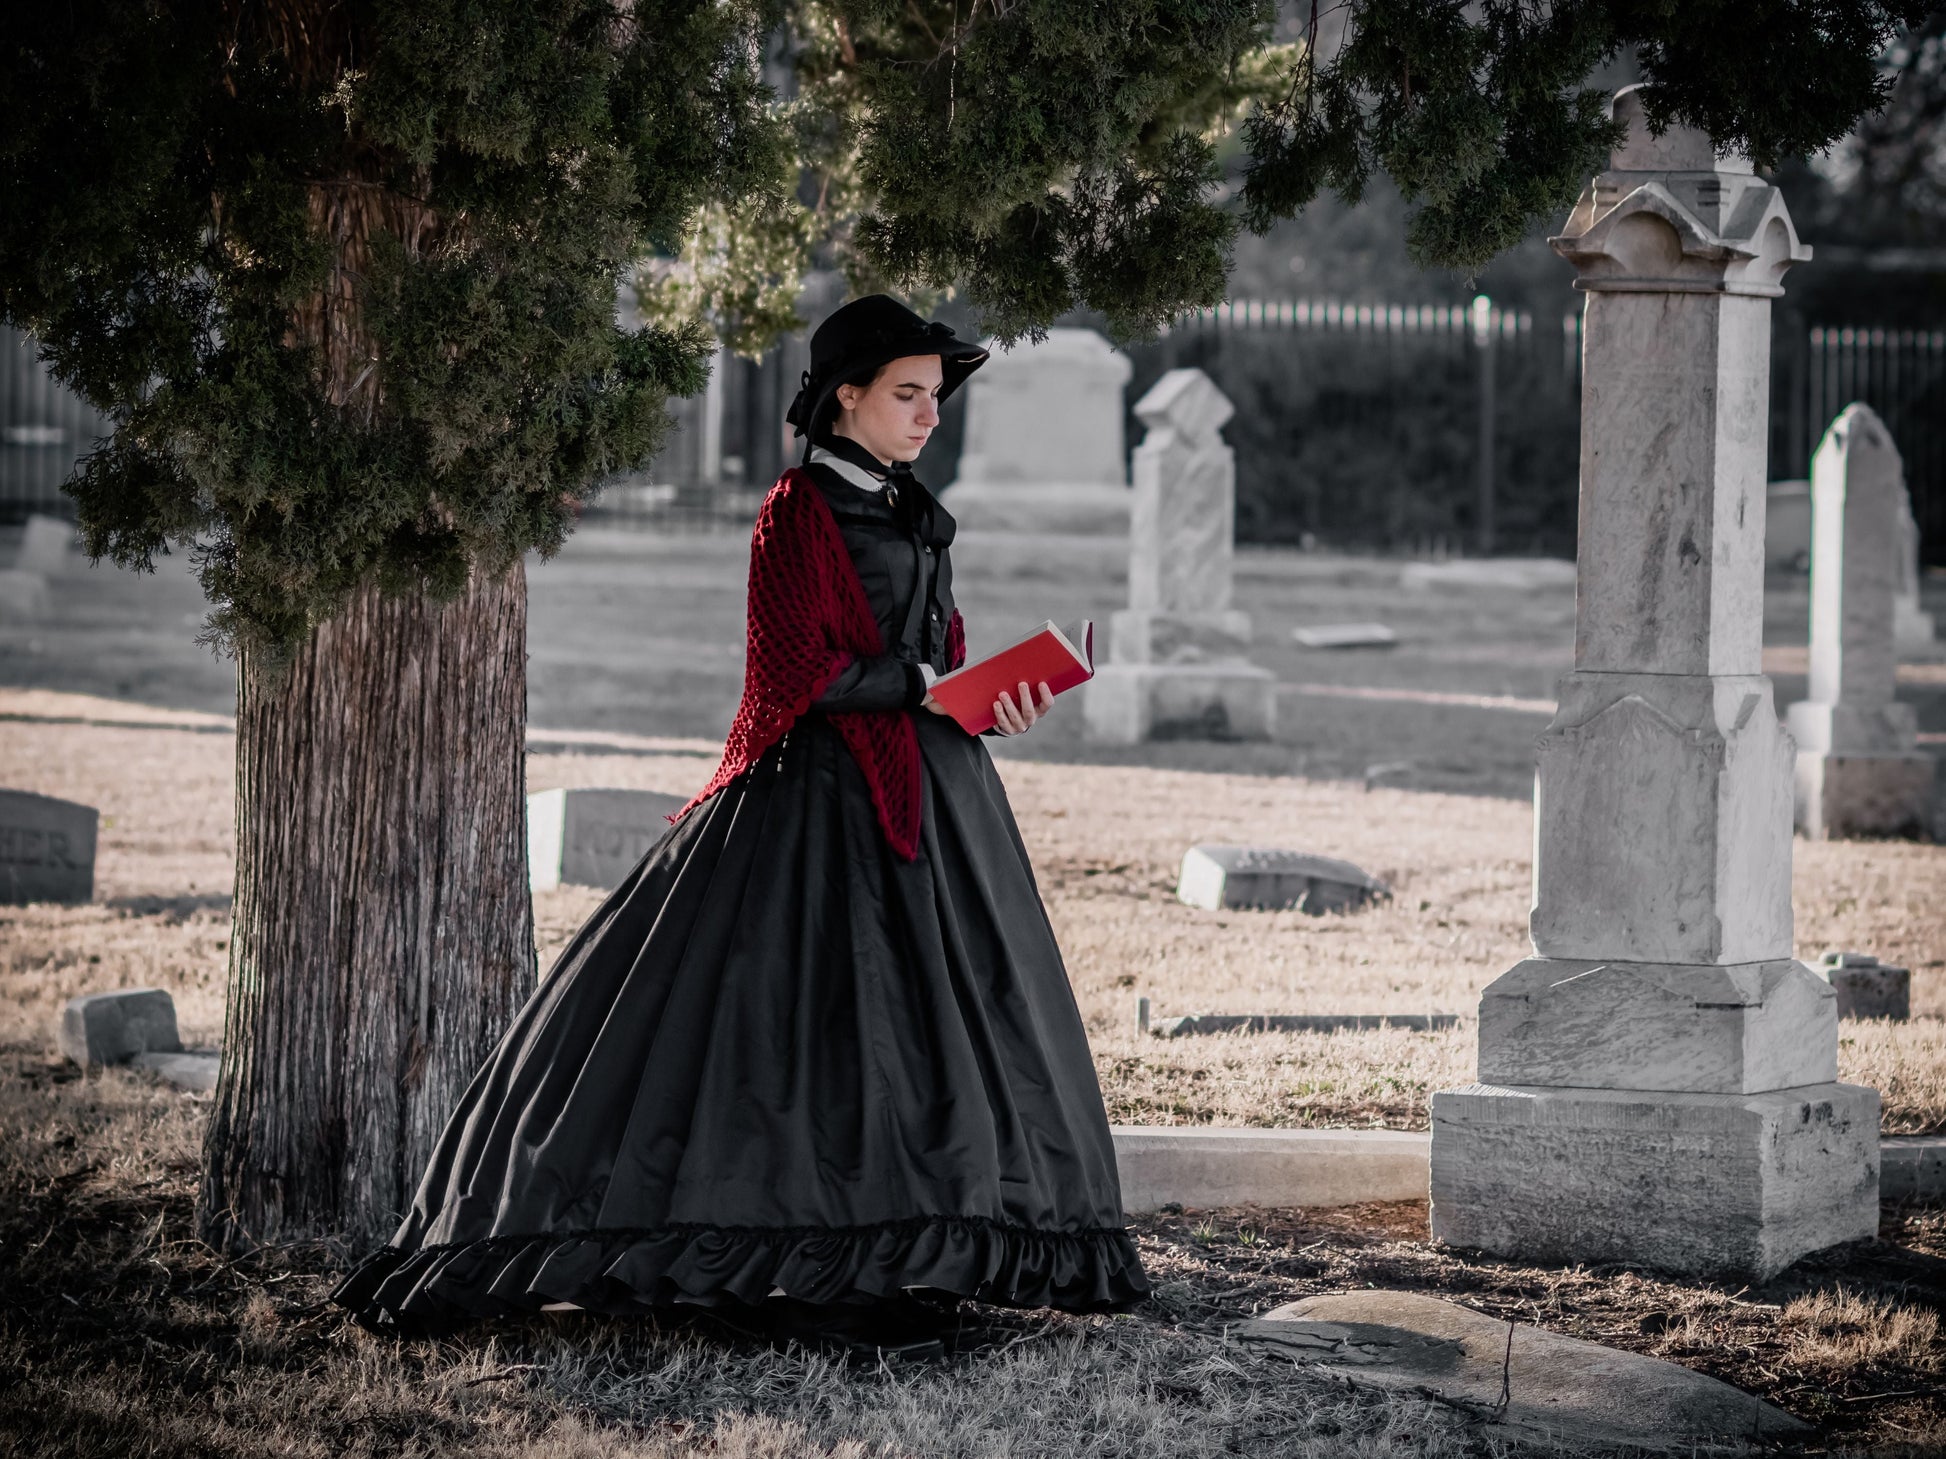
x,y
593,837
47,849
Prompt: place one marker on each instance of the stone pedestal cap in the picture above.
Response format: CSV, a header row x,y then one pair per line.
x,y
1671,216
1185,401
1574,1023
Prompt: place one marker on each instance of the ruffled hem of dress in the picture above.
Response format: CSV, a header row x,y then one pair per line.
x,y
632,1270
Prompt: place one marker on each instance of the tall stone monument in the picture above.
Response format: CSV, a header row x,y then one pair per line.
x,y
1176,665
1043,450
1658,1082
1859,768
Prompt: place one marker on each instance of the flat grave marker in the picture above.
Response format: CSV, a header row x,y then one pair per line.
x,y
1272,879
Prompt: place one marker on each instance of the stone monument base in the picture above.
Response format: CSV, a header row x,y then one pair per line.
x,y
1721,1185
1086,508
1128,703
1864,795
1580,1023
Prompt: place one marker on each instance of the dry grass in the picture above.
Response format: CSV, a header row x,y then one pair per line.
x,y
124,1336
1835,1332
1105,843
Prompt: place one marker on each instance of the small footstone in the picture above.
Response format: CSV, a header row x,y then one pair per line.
x,y
1866,987
112,1028
1559,1390
191,1069
1216,877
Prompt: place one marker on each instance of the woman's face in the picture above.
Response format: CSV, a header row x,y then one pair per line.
x,y
893,416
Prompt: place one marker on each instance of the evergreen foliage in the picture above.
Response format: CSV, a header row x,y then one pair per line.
x,y
344,274
344,271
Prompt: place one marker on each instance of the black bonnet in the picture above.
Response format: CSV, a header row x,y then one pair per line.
x,y
868,333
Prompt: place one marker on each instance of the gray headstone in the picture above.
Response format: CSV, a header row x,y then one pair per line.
x,y
1559,1390
47,849
112,1028
47,545
1216,877
1866,987
593,837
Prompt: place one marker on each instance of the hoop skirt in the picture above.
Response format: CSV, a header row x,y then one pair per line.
x,y
782,1060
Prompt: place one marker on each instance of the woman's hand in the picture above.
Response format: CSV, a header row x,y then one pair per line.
x,y
934,705
1017,719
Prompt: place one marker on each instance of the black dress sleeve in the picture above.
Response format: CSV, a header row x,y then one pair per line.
x,y
878,683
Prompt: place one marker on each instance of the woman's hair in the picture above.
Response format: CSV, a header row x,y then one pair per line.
x,y
829,418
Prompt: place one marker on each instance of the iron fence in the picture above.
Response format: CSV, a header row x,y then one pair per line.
x,y
1901,373
1388,425
1377,425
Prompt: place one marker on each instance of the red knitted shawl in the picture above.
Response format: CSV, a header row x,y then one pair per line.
x,y
808,618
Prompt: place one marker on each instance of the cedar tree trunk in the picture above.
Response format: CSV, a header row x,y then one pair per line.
x,y
384,930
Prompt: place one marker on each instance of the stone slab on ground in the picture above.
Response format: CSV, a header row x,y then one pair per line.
x,y
1866,987
1345,635
1558,1389
113,1027
593,837
192,1069
1525,574
47,849
1198,1166
1183,1025
1912,1167
1270,878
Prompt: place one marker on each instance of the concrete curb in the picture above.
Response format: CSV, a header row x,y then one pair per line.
x,y
1195,1165
1200,1166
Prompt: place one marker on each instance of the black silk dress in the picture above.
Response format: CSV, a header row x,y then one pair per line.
x,y
780,1059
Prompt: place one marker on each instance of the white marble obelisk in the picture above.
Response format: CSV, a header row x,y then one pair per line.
x,y
1658,1082
1176,664
1859,768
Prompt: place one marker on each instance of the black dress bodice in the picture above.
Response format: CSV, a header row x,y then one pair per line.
x,y
899,541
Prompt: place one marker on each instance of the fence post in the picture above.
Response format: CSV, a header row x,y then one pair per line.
x,y
1483,322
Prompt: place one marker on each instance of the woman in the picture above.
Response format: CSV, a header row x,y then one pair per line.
x,y
815,1065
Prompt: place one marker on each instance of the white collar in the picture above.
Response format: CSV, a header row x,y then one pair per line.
x,y
857,475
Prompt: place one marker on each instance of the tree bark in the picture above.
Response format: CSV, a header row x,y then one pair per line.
x,y
384,932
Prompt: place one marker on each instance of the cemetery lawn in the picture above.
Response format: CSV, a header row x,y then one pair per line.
x,y
1105,842
121,1335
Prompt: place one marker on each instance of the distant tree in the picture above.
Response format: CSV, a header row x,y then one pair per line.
x,y
343,272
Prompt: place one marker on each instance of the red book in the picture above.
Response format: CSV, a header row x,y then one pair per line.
x,y
969,692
